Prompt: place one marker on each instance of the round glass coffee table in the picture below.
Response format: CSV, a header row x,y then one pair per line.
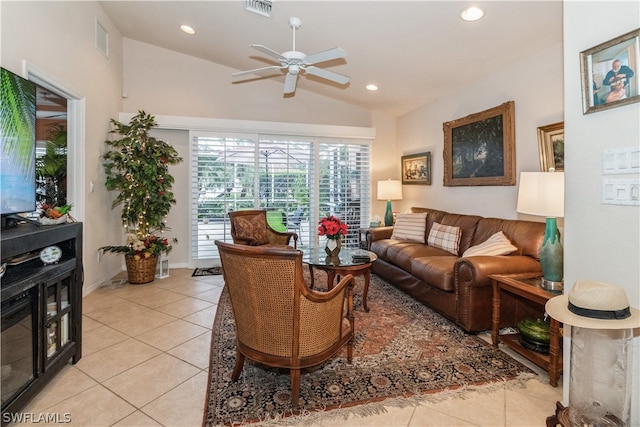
x,y
347,263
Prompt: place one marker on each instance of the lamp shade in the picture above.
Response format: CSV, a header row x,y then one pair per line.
x,y
541,193
390,189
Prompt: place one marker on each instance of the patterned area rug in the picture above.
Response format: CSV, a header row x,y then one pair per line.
x,y
403,352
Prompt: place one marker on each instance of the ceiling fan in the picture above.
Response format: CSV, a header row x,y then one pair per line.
x,y
296,62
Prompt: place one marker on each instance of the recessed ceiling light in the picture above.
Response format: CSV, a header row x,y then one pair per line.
x,y
371,87
472,13
187,29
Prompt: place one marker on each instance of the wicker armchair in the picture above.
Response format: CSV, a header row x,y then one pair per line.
x,y
251,228
280,322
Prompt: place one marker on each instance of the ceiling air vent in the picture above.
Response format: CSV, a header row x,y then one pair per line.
x,y
261,7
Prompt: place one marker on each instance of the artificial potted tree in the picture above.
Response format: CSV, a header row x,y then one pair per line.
x,y
137,167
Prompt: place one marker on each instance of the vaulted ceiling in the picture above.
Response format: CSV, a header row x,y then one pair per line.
x,y
414,51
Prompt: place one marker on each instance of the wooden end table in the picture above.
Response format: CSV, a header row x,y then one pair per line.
x,y
317,258
527,285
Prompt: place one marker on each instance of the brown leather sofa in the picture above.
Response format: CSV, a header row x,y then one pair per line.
x,y
459,288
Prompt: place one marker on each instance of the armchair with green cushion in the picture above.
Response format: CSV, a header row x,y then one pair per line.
x,y
250,227
279,321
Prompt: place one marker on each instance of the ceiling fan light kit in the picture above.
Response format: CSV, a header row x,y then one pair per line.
x,y
296,62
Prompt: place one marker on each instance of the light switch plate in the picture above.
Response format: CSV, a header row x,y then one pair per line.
x,y
621,161
622,191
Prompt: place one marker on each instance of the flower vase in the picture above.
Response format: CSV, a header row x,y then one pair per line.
x,y
142,270
333,247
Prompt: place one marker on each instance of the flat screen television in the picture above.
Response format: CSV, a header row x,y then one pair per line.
x,y
17,145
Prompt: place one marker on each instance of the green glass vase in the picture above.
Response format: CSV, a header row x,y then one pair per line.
x,y
551,256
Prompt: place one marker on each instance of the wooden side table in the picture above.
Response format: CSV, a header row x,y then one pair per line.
x,y
527,285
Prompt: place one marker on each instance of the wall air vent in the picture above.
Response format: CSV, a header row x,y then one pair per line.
x,y
102,38
261,7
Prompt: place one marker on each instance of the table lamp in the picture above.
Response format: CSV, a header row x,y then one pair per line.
x,y
390,189
542,193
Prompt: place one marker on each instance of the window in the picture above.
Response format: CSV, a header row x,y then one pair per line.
x,y
297,179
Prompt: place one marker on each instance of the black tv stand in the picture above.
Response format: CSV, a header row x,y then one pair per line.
x,y
45,297
12,220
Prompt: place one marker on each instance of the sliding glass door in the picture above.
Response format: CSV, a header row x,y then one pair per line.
x,y
297,179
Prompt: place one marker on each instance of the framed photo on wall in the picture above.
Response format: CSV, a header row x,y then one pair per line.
x,y
416,169
551,146
480,149
609,73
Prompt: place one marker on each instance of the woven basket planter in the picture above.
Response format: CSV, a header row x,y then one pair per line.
x,y
142,270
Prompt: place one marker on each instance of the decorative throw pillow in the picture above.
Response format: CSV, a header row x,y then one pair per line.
x,y
498,244
253,227
445,237
410,227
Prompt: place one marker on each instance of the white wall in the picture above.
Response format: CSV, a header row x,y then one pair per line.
x,y
178,220
58,39
164,82
602,242
535,84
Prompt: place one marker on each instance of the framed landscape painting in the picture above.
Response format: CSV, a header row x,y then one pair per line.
x,y
609,73
416,169
480,149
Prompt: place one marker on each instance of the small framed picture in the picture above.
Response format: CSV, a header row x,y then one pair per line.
x,y
480,149
416,169
609,73
551,145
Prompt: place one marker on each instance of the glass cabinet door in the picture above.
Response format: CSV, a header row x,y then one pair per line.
x,y
65,323
58,325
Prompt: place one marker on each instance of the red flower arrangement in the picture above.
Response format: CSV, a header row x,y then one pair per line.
x,y
332,227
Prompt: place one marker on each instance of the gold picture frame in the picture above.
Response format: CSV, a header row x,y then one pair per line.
x,y
479,149
604,86
416,169
551,147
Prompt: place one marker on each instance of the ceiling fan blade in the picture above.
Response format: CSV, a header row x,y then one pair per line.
x,y
269,52
327,55
255,70
290,83
329,75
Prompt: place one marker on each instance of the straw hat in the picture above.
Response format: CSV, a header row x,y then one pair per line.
x,y
594,305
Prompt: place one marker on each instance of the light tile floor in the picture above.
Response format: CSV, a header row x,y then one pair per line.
x,y
145,363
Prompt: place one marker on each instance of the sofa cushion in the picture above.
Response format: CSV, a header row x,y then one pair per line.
x,y
381,247
498,244
467,224
437,271
403,251
445,237
410,226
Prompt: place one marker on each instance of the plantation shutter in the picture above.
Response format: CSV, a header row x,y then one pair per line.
x,y
222,179
344,184
297,179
